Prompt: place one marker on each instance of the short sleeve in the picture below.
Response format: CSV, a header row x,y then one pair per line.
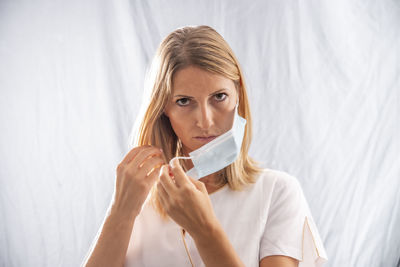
x,y
290,229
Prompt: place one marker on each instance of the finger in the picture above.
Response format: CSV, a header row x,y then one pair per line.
x,y
151,163
145,153
166,181
154,174
179,175
131,154
199,185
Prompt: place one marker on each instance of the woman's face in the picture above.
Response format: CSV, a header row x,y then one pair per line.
x,y
202,106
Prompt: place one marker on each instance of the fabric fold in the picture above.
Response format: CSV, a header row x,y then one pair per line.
x,y
313,251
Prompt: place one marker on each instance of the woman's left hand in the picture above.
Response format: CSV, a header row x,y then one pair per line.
x,y
186,200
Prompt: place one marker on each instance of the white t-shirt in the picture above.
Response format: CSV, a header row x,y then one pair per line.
x,y
270,217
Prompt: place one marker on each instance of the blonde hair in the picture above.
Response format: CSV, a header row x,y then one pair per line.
x,y
203,47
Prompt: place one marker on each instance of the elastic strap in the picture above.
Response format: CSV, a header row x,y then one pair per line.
x,y
178,158
187,250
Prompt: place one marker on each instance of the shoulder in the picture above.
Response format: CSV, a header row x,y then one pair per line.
x,y
279,180
281,189
289,227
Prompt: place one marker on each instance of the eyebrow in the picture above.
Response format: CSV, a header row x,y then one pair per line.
x,y
222,89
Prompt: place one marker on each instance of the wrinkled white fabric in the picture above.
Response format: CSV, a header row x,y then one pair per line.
x,y
323,85
270,217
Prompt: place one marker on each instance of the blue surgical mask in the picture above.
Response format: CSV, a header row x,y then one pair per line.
x,y
218,153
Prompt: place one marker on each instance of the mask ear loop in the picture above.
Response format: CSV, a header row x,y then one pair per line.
x,y
237,106
170,162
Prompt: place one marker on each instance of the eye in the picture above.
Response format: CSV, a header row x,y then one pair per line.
x,y
183,102
220,97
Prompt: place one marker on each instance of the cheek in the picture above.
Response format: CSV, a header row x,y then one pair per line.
x,y
180,125
226,120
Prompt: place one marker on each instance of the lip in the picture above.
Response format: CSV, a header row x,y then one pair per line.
x,y
205,138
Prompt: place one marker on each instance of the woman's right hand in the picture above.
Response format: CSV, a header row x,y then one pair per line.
x,y
136,174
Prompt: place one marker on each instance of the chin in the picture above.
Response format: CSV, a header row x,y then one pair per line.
x,y
190,148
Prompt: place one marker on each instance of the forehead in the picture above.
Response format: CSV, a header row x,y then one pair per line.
x,y
193,80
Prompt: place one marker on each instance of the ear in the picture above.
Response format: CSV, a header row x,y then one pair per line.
x,y
165,114
165,110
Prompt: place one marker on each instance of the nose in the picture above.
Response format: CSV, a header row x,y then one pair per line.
x,y
204,117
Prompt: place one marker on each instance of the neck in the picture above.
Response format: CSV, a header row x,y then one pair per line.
x,y
210,182
209,179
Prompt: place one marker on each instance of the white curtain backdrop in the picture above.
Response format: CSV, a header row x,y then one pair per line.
x,y
324,86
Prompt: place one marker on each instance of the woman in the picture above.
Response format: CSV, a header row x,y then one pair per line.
x,y
213,205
